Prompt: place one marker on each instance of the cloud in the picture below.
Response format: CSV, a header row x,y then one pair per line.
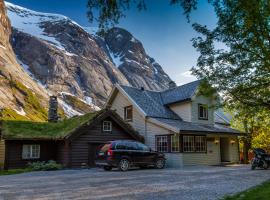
x,y
187,74
183,78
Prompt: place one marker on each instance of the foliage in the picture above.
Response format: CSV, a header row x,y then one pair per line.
x,y
110,12
45,166
14,171
28,101
255,124
43,130
260,192
77,103
241,69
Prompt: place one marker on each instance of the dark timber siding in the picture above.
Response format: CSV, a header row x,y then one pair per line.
x,y
14,153
94,135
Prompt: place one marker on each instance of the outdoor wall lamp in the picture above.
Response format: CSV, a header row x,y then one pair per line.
x,y
232,142
216,141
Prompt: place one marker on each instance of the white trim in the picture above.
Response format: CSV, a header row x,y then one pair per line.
x,y
120,89
163,125
132,101
110,125
110,96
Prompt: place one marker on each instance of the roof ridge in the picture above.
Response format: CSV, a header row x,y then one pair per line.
x,y
140,88
170,89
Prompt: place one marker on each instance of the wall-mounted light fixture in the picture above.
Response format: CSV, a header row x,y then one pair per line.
x,y
232,141
216,141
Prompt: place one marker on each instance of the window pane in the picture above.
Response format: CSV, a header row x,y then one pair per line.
x,y
128,113
26,153
200,143
203,111
162,144
188,143
107,126
175,143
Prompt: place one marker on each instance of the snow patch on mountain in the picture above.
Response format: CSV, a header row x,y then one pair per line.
x,y
30,22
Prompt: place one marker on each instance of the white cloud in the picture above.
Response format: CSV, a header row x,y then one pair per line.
x,y
183,78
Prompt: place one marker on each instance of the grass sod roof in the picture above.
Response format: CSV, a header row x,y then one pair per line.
x,y
44,130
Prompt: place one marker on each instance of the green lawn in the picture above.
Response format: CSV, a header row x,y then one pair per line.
x,y
260,192
14,171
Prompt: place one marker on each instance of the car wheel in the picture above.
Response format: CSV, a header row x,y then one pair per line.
x,y
107,168
160,163
123,165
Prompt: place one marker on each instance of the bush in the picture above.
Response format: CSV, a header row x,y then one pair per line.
x,y
45,166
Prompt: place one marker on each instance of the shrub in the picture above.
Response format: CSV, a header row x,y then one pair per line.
x,y
45,166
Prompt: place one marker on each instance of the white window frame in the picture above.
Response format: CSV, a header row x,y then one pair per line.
x,y
107,126
205,111
28,151
188,139
201,140
173,142
162,139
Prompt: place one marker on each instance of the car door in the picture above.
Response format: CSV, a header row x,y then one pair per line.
x,y
147,156
135,153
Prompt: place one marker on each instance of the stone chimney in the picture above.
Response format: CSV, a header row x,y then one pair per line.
x,y
172,84
53,107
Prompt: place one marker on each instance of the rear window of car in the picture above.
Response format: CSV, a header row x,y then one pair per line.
x,y
126,146
105,148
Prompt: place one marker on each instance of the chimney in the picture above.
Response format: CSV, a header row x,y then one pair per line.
x,y
53,106
172,84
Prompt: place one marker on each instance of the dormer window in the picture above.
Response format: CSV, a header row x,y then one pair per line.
x,y
203,111
128,113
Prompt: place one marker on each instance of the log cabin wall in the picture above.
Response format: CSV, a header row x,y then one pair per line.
x,y
92,137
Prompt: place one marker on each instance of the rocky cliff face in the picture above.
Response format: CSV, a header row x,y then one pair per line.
x,y
20,96
129,55
80,67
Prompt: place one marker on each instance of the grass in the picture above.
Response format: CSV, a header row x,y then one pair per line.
x,y
260,192
14,171
43,130
78,104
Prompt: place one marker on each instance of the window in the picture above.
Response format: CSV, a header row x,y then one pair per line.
x,y
142,147
194,143
200,144
161,143
175,143
188,143
128,113
203,111
107,126
31,151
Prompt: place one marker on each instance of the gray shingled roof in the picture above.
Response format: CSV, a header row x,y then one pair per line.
x,y
180,93
193,127
150,102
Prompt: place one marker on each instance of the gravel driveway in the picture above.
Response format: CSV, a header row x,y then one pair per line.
x,y
187,183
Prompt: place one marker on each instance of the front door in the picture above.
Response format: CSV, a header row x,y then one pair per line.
x,y
92,153
224,149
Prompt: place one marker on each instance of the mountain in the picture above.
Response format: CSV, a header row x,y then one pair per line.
x,y
20,96
139,68
78,66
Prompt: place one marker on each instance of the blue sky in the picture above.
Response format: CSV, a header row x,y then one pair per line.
x,y
162,28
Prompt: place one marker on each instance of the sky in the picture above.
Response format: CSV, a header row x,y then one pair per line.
x,y
162,28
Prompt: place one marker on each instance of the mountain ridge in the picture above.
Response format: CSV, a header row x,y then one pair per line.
x,y
68,61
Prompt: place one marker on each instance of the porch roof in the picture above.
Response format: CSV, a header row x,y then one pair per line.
x,y
183,126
